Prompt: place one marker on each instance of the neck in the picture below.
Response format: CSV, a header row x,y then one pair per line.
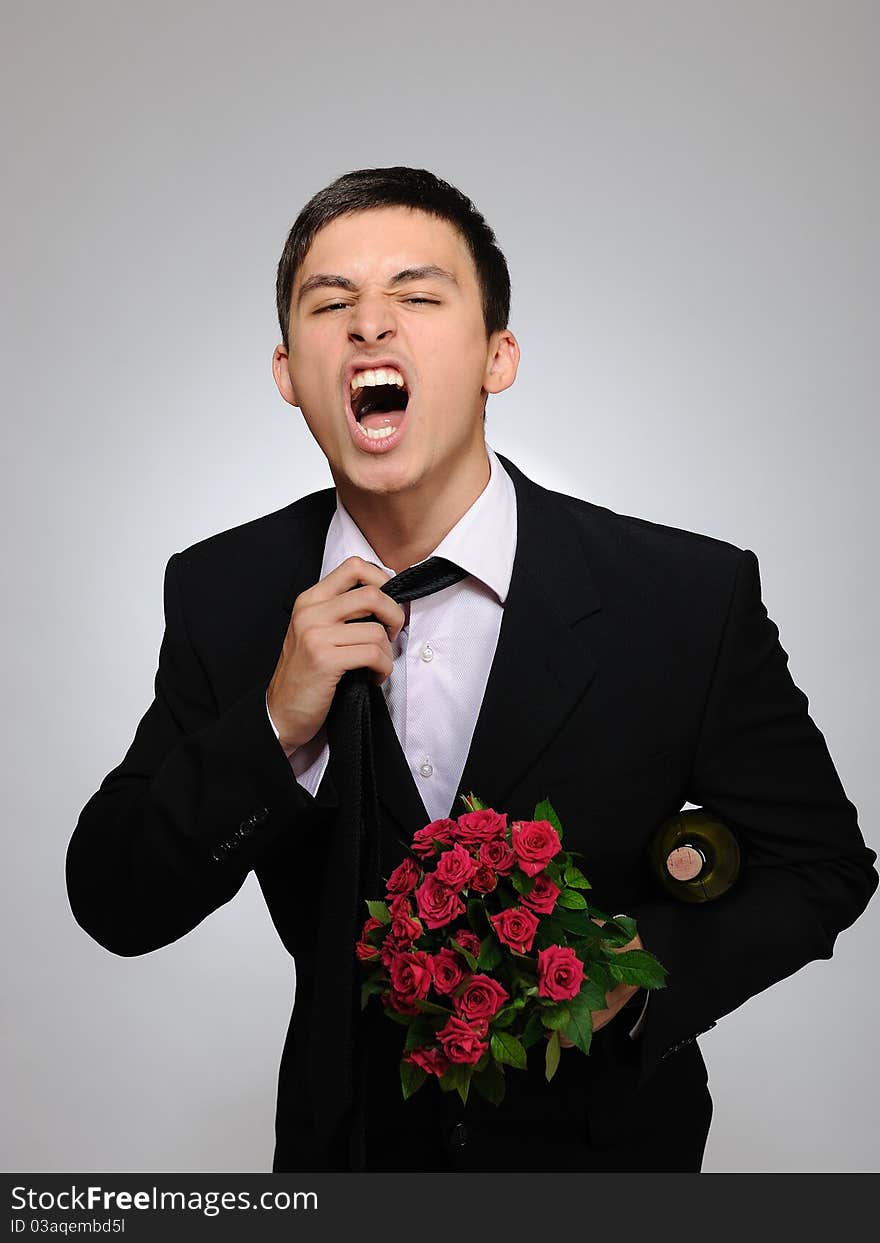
x,y
405,527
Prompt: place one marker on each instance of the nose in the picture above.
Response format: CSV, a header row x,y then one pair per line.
x,y
372,320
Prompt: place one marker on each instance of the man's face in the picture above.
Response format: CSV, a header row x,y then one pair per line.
x,y
429,327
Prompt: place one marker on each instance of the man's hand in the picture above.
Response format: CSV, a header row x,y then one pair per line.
x,y
615,999
320,646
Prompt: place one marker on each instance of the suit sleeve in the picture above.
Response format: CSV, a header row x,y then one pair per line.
x,y
762,766
198,800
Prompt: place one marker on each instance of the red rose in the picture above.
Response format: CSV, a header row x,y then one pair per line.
x,y
516,928
404,878
405,929
393,947
467,940
535,842
497,855
437,903
411,975
484,879
365,949
461,1043
448,971
423,839
475,827
394,1001
455,867
480,997
431,1060
542,898
560,973
400,904
369,925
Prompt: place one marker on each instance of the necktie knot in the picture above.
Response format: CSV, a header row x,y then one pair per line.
x,y
423,579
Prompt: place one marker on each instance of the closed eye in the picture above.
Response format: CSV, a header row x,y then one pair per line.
x,y
335,305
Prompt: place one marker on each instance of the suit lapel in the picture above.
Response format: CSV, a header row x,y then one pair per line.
x,y
541,668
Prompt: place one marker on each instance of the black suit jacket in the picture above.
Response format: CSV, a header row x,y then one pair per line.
x,y
636,669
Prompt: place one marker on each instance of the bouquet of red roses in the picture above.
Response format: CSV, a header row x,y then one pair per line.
x,y
485,943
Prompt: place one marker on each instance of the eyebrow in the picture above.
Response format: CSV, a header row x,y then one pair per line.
x,y
334,281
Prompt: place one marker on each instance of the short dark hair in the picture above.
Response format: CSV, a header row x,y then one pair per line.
x,y
369,188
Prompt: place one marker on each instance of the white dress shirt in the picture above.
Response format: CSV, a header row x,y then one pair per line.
x,y
443,654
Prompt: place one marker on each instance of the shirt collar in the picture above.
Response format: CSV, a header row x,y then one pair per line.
x,y
483,541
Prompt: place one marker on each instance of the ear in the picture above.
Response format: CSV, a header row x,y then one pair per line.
x,y
282,375
502,361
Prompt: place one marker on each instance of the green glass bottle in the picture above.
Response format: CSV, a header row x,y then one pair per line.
x,y
694,856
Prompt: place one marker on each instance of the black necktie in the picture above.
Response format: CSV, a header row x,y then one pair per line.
x,y
352,874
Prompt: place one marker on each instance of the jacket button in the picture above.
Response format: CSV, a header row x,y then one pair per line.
x,y
458,1136
259,816
244,829
220,853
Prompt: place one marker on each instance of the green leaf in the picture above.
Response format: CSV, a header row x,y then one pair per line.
x,y
550,932
616,932
600,915
451,1079
466,955
600,975
472,803
506,897
545,811
421,1031
575,878
431,1007
411,1078
577,922
485,1059
507,1049
505,1016
403,1019
369,987
551,1057
533,1030
571,900
593,994
378,910
637,967
521,882
491,954
627,925
464,1085
477,919
554,874
555,1017
580,1029
490,1083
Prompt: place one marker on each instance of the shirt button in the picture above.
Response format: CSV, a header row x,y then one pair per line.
x,y
458,1136
427,768
427,652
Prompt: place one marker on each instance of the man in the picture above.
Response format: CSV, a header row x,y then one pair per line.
x,y
616,666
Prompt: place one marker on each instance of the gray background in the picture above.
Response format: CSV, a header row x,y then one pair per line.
x,y
687,195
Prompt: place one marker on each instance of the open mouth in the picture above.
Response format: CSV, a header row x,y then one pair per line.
x,y
379,397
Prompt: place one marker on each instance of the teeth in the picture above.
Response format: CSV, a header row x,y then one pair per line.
x,y
375,433
383,375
